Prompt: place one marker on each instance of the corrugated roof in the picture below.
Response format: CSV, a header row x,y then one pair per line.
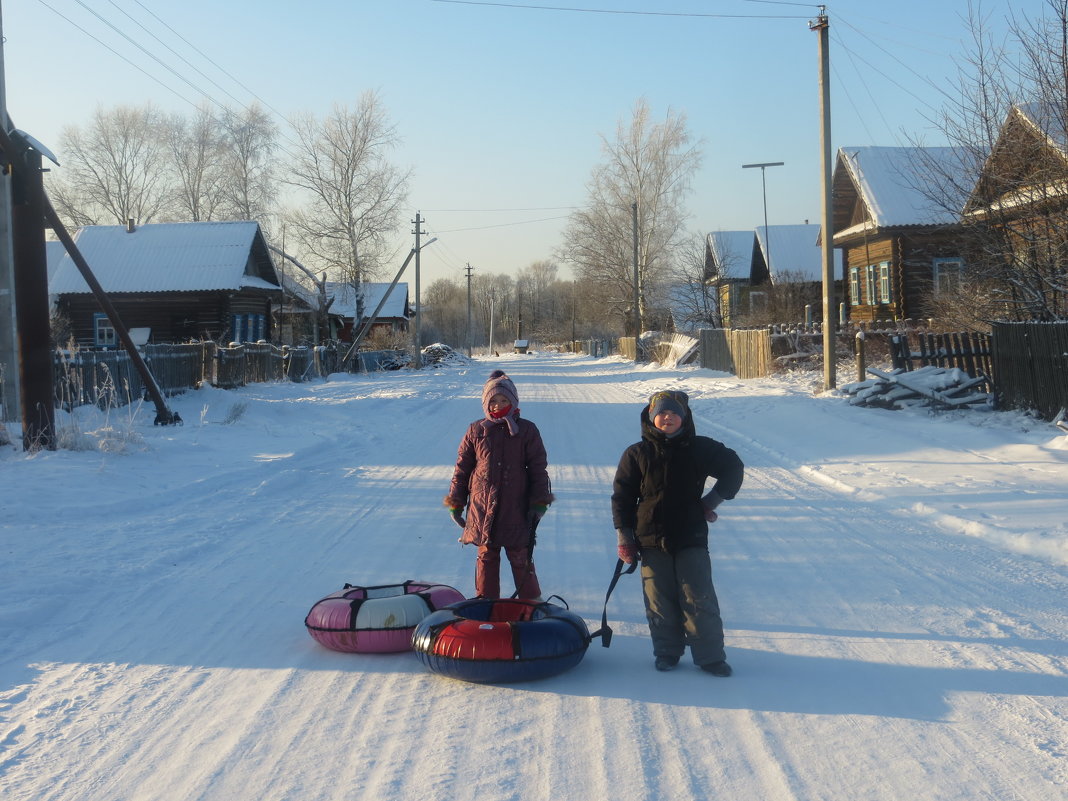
x,y
794,249
732,252
166,257
345,299
903,186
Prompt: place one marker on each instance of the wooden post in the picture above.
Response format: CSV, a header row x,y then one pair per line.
x,y
861,360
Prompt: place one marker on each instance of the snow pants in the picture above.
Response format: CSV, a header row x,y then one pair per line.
x,y
681,604
488,572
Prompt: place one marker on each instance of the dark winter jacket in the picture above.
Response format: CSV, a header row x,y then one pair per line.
x,y
660,481
498,477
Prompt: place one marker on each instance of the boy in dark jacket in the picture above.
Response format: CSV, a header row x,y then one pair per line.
x,y
661,514
501,477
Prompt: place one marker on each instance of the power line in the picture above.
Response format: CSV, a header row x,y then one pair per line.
x,y
501,225
525,6
106,46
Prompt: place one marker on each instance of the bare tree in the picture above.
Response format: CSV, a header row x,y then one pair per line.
x,y
116,169
353,195
694,301
1008,128
194,146
247,142
652,165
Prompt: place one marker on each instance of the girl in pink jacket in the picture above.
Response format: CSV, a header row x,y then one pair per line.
x,y
501,478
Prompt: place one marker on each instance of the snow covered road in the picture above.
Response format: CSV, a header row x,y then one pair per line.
x,y
893,586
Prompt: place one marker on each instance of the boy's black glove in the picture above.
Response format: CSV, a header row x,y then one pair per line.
x,y
458,517
709,503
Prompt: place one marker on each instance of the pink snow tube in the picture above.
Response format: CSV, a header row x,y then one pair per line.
x,y
376,619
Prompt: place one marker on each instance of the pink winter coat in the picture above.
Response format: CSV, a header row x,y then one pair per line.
x,y
498,477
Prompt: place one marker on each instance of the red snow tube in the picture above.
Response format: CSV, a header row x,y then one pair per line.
x,y
376,619
498,641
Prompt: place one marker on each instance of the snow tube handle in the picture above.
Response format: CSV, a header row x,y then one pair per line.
x,y
605,632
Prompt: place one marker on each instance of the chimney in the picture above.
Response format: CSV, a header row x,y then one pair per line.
x,y
130,227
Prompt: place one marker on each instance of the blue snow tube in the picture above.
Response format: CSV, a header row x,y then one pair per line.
x,y
497,641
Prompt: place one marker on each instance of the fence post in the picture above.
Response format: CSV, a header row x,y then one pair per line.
x,y
861,361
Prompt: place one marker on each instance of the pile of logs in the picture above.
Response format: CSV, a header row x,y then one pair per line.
x,y
932,387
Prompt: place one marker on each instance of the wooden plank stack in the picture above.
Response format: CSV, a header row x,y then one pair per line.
x,y
931,387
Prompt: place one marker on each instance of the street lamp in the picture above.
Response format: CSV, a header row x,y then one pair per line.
x,y
764,188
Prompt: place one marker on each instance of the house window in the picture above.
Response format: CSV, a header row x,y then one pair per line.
x,y
104,335
854,286
871,284
945,275
758,302
884,282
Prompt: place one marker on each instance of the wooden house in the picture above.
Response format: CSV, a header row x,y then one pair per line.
x,y
898,227
176,281
1019,211
775,270
728,260
393,317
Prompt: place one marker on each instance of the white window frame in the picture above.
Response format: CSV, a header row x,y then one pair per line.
x,y
946,274
104,334
854,286
884,282
871,284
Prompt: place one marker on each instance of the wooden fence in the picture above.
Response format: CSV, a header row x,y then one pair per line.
x,y
969,352
1031,367
744,352
108,378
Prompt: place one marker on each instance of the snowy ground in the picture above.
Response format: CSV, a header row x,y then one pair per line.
x,y
893,585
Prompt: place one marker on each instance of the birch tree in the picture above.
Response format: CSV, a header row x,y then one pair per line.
x,y
648,163
115,169
352,193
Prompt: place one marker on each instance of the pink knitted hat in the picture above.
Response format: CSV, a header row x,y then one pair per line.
x,y
500,383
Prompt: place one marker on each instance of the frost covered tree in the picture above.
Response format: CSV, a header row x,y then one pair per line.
x,y
351,195
650,164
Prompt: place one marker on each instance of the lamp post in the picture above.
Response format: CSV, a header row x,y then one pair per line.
x,y
764,188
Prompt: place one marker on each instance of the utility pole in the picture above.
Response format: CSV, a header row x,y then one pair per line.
x,y
31,293
822,26
470,333
417,356
9,358
493,302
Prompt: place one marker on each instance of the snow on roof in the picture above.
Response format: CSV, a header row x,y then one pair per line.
x,y
896,184
794,249
1048,120
732,252
345,299
54,252
164,257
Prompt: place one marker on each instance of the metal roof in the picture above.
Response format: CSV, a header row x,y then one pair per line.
x,y
794,252
345,299
169,257
903,186
732,252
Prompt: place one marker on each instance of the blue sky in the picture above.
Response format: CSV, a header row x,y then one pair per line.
x,y
501,106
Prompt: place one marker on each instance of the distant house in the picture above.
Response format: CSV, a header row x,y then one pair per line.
x,y
895,218
177,281
393,316
296,316
749,267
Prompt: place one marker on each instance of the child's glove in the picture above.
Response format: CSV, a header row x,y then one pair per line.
x,y
536,513
627,548
458,517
